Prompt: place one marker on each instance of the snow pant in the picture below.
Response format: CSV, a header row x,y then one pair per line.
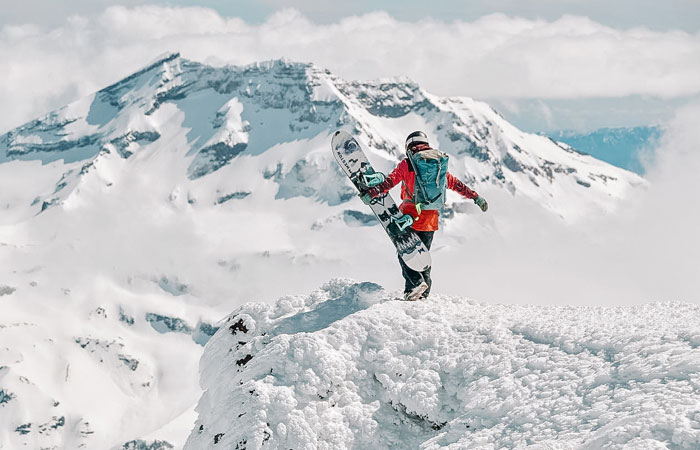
x,y
412,277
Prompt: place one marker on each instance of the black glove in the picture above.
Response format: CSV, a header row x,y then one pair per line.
x,y
481,203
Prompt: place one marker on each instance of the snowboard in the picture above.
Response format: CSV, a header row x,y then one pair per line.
x,y
354,163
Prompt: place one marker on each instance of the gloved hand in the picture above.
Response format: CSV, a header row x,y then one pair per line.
x,y
481,203
410,208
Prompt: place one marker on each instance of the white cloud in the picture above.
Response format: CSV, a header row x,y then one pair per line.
x,y
653,246
671,14
647,251
546,113
494,57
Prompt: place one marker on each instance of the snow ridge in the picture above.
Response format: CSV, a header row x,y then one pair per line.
x,y
215,116
349,367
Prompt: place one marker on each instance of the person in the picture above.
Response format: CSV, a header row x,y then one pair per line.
x,y
425,221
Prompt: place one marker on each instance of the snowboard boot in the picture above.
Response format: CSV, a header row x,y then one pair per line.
x,y
416,293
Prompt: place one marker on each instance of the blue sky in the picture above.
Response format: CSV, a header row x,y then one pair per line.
x,y
544,64
653,14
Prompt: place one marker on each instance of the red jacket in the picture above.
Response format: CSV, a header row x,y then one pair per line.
x,y
428,220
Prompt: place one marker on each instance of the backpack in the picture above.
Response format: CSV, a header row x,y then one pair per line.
x,y
430,167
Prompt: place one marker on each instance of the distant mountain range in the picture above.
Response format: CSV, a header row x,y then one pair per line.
x,y
623,147
225,114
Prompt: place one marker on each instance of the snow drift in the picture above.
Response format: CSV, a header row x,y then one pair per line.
x,y
348,367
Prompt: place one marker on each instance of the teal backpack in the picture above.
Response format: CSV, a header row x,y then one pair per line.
x,y
430,167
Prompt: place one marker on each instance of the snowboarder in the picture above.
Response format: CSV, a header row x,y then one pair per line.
x,y
424,176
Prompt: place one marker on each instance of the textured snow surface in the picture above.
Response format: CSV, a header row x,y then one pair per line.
x,y
348,366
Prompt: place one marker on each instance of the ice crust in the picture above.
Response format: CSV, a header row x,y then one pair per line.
x,y
347,366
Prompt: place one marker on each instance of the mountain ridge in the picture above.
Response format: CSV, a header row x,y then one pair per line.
x,y
231,112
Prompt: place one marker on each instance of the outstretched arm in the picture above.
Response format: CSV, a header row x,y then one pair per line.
x,y
459,187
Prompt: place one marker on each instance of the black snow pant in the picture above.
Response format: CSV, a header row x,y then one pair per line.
x,y
412,277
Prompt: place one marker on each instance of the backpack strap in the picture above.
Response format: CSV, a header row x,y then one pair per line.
x,y
415,178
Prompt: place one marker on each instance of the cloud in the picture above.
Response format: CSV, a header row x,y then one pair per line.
x,y
545,112
653,244
493,57
647,251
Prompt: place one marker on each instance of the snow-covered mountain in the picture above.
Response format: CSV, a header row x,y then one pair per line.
x,y
348,367
134,219
624,147
273,119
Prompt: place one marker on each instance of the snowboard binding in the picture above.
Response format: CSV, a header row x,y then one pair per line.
x,y
367,180
399,225
370,179
373,179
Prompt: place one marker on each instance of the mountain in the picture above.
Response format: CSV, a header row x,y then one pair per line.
x,y
622,147
347,366
134,219
206,118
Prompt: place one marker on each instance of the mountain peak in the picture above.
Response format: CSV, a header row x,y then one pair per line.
x,y
163,58
169,58
348,366
212,115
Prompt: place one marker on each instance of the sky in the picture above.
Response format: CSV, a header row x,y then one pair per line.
x,y
672,14
545,65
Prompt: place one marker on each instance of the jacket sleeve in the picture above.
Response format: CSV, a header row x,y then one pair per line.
x,y
394,178
459,187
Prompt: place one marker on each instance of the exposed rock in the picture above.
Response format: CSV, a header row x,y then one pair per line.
x,y
165,324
